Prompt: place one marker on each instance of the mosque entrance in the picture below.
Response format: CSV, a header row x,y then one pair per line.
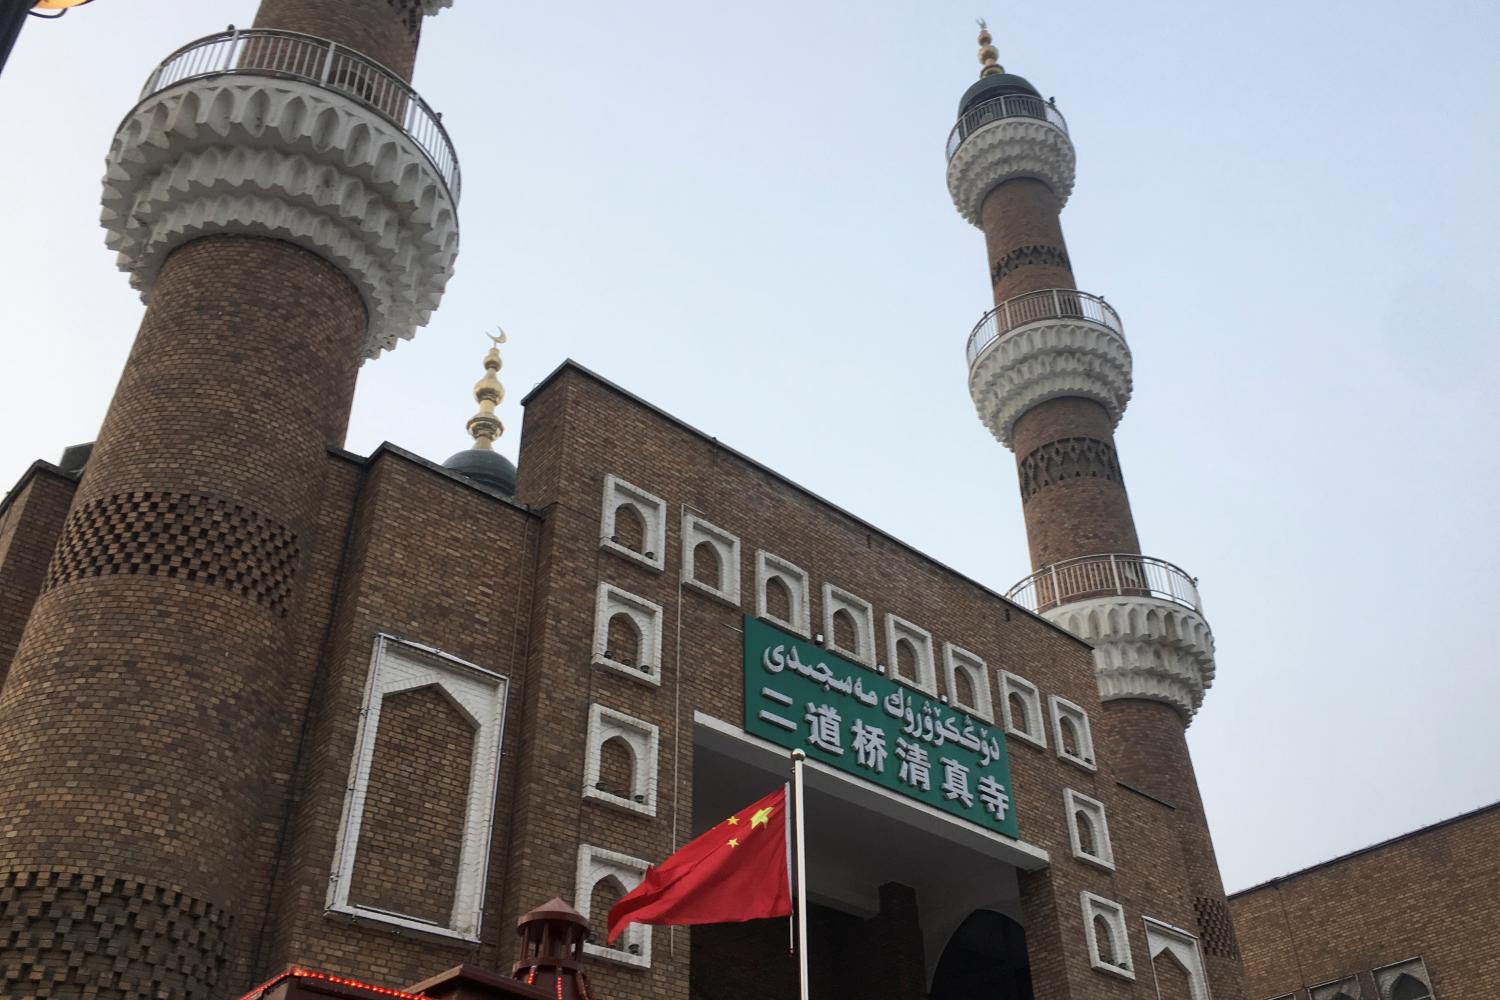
x,y
904,903
984,960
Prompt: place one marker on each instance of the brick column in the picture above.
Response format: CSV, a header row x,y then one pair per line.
x,y
146,694
1072,491
1148,748
385,30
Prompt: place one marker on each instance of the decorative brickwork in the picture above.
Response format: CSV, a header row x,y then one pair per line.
x,y
1068,458
179,535
1028,256
1215,928
77,935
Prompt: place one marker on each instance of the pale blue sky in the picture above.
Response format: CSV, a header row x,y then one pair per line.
x,y
738,212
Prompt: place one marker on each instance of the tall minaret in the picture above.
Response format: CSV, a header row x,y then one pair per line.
x,y
286,204
1050,375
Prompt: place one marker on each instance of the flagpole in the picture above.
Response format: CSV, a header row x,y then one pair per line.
x,y
798,757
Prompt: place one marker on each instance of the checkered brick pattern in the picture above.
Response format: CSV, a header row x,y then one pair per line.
x,y
179,535
1215,928
77,935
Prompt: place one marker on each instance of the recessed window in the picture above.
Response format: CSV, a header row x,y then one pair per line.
x,y
1408,980
967,680
1342,989
781,593
620,766
1088,829
848,625
1176,961
627,634
635,523
413,837
1104,926
1021,706
1070,732
710,559
604,877
909,650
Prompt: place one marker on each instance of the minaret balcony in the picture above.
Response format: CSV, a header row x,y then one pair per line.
x,y
292,137
1000,108
1042,345
1013,135
1144,618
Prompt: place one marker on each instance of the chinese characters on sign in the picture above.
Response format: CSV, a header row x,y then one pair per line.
x,y
855,720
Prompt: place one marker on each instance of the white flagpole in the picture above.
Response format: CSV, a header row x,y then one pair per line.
x,y
798,811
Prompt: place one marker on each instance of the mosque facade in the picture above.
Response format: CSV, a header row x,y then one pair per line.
x,y
268,704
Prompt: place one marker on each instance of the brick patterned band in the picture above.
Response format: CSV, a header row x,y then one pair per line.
x,y
1215,928
186,536
1068,458
1025,257
68,934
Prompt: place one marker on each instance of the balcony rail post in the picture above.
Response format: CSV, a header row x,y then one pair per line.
x,y
234,36
328,62
1114,572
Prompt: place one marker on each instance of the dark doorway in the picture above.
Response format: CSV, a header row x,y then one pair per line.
x,y
985,960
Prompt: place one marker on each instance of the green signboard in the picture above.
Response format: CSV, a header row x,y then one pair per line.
x,y
853,719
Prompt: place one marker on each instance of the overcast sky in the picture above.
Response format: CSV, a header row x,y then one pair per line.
x,y
738,211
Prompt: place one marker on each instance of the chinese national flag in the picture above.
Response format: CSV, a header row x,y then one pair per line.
x,y
736,871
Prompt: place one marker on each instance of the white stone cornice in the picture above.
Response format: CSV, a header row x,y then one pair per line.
x,y
1006,148
1045,360
1145,648
293,161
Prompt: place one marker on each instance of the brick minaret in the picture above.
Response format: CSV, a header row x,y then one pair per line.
x,y
1050,374
287,207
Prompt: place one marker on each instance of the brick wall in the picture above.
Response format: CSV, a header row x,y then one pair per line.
x,y
1430,894
30,522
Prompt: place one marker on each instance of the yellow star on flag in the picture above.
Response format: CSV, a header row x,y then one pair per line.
x,y
733,821
759,819
733,842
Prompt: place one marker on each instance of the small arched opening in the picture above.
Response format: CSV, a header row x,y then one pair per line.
x,y
1173,981
707,568
778,599
630,528
624,640
845,635
1409,987
616,768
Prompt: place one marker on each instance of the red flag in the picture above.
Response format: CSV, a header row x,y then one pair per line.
x,y
736,871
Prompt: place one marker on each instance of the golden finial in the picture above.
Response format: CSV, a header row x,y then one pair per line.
x,y
989,56
488,392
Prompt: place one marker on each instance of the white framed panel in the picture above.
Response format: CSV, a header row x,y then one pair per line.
x,y
837,600
696,532
899,630
1107,936
652,511
1030,724
596,864
644,741
1184,950
479,695
1082,809
768,567
645,617
957,660
1066,715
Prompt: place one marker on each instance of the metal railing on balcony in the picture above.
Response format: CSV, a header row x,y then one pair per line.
x,y
1104,576
295,56
1048,303
1005,106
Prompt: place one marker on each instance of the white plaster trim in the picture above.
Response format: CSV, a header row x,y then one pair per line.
x,y
1349,986
838,599
1007,148
1184,947
956,658
768,565
292,161
647,617
1114,915
1031,697
1386,976
1076,802
653,513
594,865
897,628
1063,708
644,740
695,532
1144,647
397,666
1045,360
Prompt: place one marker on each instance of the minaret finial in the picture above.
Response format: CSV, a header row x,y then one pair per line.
x,y
989,56
484,425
